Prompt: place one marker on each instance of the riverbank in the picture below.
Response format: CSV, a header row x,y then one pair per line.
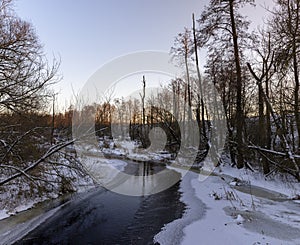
x,y
233,215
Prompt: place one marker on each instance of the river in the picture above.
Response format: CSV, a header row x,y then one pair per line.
x,y
104,217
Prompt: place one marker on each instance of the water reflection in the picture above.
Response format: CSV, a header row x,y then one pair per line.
x,y
149,178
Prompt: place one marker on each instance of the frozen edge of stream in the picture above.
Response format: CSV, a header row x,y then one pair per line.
x,y
173,233
21,230
241,225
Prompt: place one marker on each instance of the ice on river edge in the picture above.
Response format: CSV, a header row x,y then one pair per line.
x,y
226,216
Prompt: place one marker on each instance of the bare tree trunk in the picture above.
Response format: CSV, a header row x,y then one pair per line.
x,y
53,120
239,84
143,129
188,94
268,117
200,81
143,100
184,112
261,121
262,129
296,91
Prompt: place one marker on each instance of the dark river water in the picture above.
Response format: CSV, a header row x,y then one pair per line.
x,y
104,217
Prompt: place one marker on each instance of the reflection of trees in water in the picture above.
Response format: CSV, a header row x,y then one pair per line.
x,y
147,169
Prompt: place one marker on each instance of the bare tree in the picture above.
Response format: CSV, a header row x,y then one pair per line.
x,y
181,51
285,26
196,45
143,101
25,79
221,21
24,72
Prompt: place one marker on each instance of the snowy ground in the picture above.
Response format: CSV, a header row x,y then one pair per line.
x,y
15,198
82,185
234,217
11,206
131,150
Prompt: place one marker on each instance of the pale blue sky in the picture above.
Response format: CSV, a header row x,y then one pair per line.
x,y
88,33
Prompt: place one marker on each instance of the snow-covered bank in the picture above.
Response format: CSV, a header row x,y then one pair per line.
x,y
61,178
25,220
15,199
131,151
20,205
10,236
232,217
80,185
4,214
283,184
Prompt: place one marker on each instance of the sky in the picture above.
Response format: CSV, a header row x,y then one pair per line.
x,y
86,34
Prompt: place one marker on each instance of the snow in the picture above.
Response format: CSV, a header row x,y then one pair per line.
x,y
288,187
18,196
228,216
10,236
26,206
18,205
4,214
239,219
130,150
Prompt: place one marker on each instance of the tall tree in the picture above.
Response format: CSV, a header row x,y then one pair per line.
x,y
285,25
181,51
143,101
220,70
201,100
265,53
222,21
24,72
